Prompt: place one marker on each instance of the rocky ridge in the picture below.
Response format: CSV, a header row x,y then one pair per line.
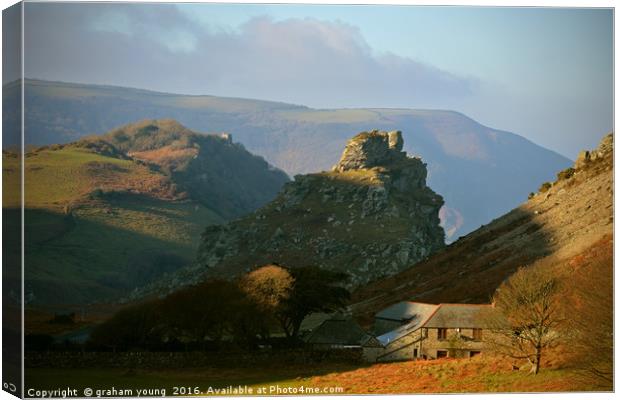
x,y
562,221
371,217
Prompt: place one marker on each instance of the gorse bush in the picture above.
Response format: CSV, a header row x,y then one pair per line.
x,y
566,173
544,187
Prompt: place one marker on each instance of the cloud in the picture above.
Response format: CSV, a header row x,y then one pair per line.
x,y
304,61
147,24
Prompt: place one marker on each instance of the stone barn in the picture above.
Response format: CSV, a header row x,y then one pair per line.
x,y
429,332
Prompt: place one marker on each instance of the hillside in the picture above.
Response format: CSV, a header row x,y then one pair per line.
x,y
371,216
480,172
211,169
566,221
108,213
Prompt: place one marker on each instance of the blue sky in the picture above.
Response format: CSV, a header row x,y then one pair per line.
x,y
543,73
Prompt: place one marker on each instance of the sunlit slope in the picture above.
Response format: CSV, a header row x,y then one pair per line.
x,y
97,225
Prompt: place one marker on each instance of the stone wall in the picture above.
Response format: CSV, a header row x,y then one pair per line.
x,y
402,348
156,360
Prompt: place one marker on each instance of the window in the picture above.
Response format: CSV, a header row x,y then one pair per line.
x,y
477,334
442,353
442,333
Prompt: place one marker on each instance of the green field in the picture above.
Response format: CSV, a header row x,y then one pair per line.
x,y
55,178
97,226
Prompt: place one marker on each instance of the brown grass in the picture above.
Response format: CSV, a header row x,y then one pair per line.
x,y
480,374
165,155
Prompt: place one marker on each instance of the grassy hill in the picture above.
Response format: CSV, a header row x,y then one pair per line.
x,y
481,172
102,218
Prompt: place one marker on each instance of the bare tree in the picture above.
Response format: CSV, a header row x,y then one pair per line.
x,y
526,316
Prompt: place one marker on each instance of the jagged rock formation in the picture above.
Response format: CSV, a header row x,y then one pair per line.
x,y
371,216
604,149
372,149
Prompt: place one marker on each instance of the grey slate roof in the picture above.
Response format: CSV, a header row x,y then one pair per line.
x,y
417,314
457,316
406,310
340,331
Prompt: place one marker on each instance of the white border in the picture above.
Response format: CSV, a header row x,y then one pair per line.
x,y
478,3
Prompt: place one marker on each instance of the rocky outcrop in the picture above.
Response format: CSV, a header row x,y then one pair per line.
x,y
604,149
371,149
371,216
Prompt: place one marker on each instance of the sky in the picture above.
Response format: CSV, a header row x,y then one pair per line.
x,y
543,73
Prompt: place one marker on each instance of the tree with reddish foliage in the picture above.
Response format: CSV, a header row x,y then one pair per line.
x,y
268,286
291,294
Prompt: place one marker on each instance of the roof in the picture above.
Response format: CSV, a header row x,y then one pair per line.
x,y
339,331
406,310
313,321
457,316
419,313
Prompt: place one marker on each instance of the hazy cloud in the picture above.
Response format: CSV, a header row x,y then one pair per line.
x,y
307,61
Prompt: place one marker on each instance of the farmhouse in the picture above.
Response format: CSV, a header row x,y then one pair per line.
x,y
427,331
